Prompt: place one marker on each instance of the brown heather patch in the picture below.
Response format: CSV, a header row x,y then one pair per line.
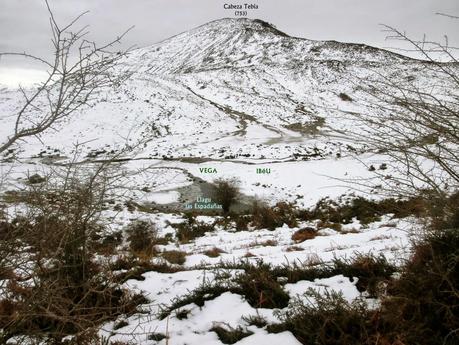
x,y
214,252
174,256
304,234
329,225
294,249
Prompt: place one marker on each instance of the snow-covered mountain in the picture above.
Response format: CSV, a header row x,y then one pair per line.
x,y
230,88
225,100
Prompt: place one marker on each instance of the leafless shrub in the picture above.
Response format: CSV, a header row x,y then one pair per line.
x,y
414,124
55,286
78,70
141,236
225,193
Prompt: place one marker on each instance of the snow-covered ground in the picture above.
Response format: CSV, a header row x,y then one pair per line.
x,y
390,237
303,182
300,182
222,101
230,89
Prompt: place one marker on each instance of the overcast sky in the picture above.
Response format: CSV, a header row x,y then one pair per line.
x,y
24,23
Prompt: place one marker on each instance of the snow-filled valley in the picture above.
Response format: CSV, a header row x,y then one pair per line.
x,y
234,99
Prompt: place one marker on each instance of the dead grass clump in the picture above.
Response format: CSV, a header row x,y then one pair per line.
x,y
141,235
242,222
133,267
120,324
230,335
156,336
370,270
269,243
266,217
174,256
36,179
191,229
345,97
304,234
286,212
261,288
328,225
255,320
294,249
329,319
366,211
214,252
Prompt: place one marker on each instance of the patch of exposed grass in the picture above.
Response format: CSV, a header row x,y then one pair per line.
x,y
230,335
182,314
174,256
294,249
266,217
260,288
141,236
329,319
419,307
366,211
134,268
255,320
156,336
205,292
266,243
214,252
369,269
191,229
308,128
304,234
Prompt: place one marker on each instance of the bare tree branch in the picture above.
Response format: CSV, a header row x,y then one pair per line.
x,y
79,69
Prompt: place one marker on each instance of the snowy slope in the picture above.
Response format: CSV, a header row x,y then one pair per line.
x,y
239,94
230,88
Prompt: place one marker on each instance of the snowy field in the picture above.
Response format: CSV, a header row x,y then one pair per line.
x,y
257,107
303,182
388,236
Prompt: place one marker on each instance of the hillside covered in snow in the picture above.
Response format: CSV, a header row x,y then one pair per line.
x,y
232,88
216,196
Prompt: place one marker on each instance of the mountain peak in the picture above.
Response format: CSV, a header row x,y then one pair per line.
x,y
235,43
244,24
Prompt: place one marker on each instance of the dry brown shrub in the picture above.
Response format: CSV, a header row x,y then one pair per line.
x,y
304,234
